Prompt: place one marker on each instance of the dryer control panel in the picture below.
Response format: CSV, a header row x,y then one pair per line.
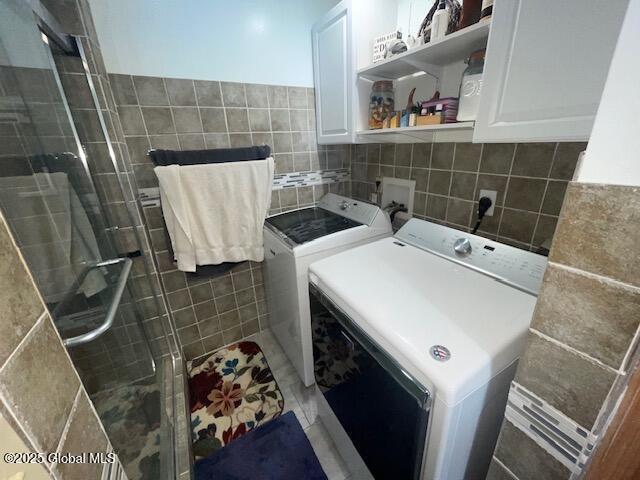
x,y
513,266
356,210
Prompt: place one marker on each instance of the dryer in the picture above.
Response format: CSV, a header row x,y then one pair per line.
x,y
416,340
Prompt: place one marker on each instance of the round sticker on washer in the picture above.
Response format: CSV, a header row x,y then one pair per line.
x,y
440,353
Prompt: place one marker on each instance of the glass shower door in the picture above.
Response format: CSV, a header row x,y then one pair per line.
x,y
48,196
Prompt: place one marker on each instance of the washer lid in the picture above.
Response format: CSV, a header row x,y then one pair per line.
x,y
414,303
307,224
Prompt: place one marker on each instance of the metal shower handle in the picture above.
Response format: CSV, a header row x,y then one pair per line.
x,y
113,306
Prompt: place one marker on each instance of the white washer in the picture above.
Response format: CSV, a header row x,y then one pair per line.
x,y
416,340
295,239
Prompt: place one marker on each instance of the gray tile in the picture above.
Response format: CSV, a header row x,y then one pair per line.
x,y
222,286
205,310
239,140
421,176
528,461
187,119
213,120
301,162
232,335
230,319
208,93
201,293
277,96
436,207
191,141
404,154
388,154
179,299
570,383
288,197
497,157
131,119
463,185
297,97
237,120
280,121
184,318
420,203
442,156
566,159
553,197
299,121
158,120
212,343
459,211
439,182
259,120
226,303
40,365
518,225
545,229
282,143
591,315
123,91
181,92
525,193
467,157
168,142
597,224
84,436
188,335
233,94
20,303
421,155
256,95
150,91
533,159
300,142
216,140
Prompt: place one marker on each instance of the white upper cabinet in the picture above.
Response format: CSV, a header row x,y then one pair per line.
x,y
545,69
332,70
342,43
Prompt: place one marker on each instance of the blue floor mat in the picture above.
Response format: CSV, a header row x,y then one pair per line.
x,y
278,450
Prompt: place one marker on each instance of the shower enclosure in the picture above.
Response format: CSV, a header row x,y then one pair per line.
x,y
65,192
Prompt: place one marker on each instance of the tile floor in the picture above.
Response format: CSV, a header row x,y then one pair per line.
x,y
300,400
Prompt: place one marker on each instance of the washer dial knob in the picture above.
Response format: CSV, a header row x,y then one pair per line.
x,y
462,246
344,205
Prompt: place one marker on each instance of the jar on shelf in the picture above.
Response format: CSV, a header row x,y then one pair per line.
x,y
470,87
381,103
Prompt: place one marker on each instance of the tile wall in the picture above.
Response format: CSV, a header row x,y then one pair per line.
x,y
33,363
582,341
182,114
530,178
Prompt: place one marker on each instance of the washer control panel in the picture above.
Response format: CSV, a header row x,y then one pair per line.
x,y
356,210
519,268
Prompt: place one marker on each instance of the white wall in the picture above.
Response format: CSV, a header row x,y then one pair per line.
x,y
254,41
613,153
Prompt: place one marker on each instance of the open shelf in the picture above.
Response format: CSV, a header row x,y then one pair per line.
x,y
444,132
432,56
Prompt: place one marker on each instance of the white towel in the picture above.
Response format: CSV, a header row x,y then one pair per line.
x,y
215,212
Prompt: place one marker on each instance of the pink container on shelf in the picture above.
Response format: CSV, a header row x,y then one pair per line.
x,y
447,106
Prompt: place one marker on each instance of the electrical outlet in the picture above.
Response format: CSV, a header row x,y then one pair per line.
x,y
493,195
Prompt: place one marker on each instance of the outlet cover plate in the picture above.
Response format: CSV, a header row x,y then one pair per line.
x,y
493,195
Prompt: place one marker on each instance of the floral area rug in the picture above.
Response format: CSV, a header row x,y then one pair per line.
x,y
231,393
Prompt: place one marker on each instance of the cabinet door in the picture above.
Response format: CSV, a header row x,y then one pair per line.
x,y
333,75
546,65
